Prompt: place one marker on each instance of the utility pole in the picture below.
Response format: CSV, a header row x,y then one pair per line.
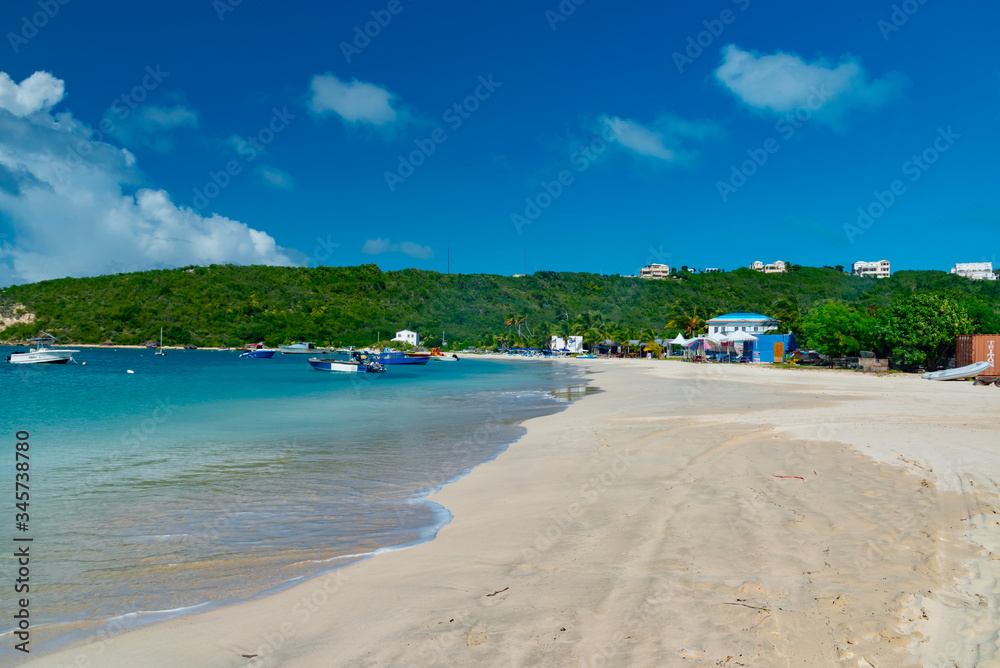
x,y
525,261
449,260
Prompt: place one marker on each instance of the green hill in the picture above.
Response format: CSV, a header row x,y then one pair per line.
x,y
232,305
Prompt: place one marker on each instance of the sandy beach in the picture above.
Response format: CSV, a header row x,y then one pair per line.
x,y
703,515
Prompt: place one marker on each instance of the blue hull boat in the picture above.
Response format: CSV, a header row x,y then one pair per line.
x,y
260,353
391,358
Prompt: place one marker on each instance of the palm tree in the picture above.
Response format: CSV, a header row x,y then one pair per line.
x,y
787,311
687,317
585,321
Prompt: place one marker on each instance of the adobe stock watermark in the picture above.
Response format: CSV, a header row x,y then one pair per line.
x,y
787,126
900,15
249,149
658,256
581,160
324,248
223,7
454,116
697,43
915,167
562,12
30,25
123,106
363,36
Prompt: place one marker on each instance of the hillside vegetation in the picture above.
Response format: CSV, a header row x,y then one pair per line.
x,y
232,305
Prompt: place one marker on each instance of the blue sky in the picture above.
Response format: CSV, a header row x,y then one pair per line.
x,y
587,136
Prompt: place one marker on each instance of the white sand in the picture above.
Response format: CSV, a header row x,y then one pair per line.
x,y
643,526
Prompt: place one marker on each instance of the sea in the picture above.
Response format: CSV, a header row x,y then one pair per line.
x,y
165,485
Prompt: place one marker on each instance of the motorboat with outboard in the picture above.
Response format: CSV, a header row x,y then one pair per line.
x,y
347,361
41,352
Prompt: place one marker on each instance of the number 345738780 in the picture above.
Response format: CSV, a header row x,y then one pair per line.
x,y
22,467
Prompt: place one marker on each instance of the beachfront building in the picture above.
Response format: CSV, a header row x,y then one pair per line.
x,y
751,323
574,344
406,336
878,269
655,271
778,267
977,271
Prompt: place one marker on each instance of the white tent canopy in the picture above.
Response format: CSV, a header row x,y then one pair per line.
x,y
740,336
679,340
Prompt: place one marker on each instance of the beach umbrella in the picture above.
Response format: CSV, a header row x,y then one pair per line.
x,y
741,338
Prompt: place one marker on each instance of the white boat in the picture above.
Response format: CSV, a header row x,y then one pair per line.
x,y
300,348
159,351
346,361
959,373
438,356
42,352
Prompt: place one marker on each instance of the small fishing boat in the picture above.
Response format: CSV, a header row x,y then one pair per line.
x,y
389,357
259,353
42,352
301,348
437,356
957,374
346,361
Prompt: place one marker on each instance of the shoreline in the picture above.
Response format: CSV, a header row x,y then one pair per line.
x,y
574,495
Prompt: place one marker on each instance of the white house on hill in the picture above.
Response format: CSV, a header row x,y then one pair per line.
x,y
777,267
977,271
879,269
406,336
655,271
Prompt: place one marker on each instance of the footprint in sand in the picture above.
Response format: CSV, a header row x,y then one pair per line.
x,y
477,636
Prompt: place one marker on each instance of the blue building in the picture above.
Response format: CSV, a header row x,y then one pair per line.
x,y
764,346
761,326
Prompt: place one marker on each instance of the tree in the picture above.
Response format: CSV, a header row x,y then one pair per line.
x,y
787,311
921,329
687,317
833,329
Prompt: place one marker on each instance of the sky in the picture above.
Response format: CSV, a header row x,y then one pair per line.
x,y
578,135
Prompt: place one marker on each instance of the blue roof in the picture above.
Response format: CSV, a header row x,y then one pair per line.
x,y
742,317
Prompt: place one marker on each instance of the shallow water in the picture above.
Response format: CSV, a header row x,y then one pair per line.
x,y
203,479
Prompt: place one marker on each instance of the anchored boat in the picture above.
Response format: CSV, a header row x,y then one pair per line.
x,y
301,348
346,361
392,357
42,352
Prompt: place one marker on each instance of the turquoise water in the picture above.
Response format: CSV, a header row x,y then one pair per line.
x,y
203,479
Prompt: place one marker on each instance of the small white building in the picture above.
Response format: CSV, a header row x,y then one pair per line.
x,y
572,343
878,269
406,336
977,271
777,267
655,271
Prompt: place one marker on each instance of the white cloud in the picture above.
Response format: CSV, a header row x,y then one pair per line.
x,y
667,138
74,206
380,246
150,125
276,177
355,101
38,92
782,82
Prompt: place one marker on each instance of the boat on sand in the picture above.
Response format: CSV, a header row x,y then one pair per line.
x,y
957,374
